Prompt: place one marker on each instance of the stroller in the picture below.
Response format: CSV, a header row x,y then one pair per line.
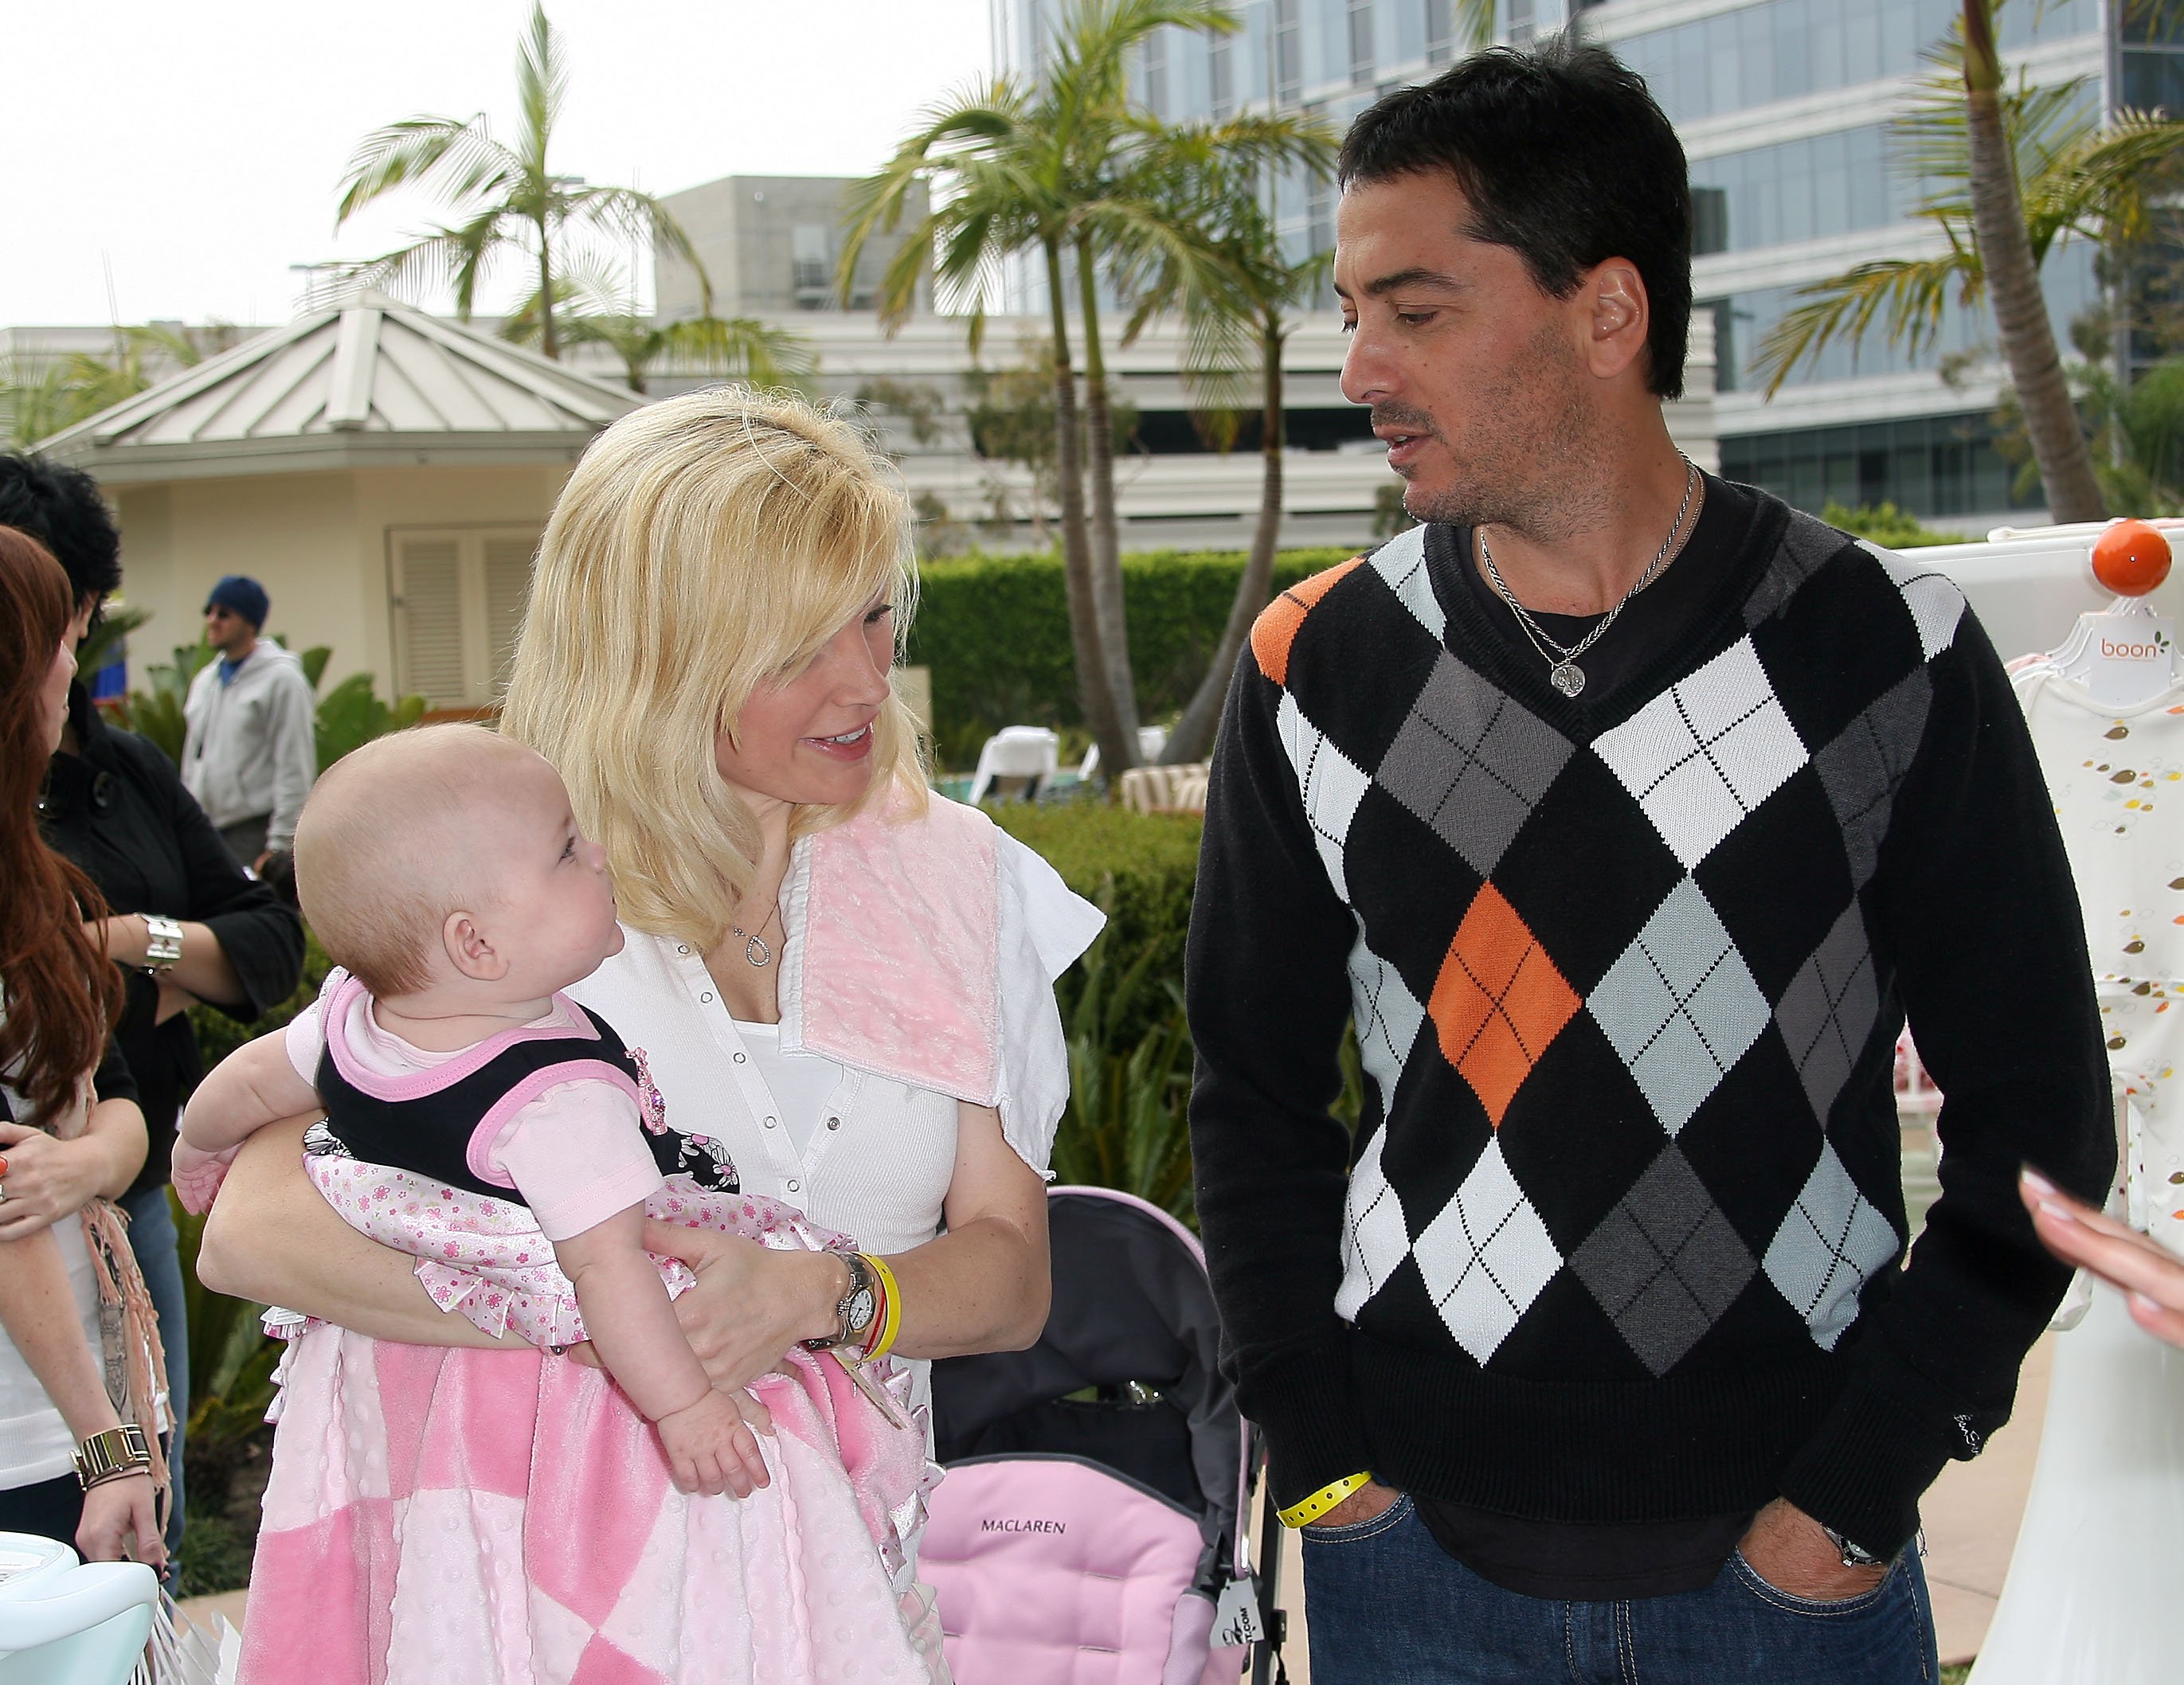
x,y
1091,1528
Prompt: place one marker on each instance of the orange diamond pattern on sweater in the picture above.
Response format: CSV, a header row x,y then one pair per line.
x,y
1283,619
1498,1002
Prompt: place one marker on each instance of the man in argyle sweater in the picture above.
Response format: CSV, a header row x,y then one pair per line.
x,y
1626,813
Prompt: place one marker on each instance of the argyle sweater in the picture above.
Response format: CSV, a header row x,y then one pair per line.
x,y
1617,1236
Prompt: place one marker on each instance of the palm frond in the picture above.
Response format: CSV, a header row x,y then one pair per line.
x,y
542,82
1908,295
743,346
463,154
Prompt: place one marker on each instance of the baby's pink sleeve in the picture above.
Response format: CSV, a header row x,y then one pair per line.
x,y
303,1041
577,1155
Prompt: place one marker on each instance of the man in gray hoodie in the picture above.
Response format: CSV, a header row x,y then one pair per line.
x,y
251,753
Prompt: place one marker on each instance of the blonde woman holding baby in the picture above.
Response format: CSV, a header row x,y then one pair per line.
x,y
842,986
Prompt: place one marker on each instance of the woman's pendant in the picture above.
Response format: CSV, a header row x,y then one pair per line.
x,y
756,952
1567,677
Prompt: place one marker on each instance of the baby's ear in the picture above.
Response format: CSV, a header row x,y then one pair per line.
x,y
470,950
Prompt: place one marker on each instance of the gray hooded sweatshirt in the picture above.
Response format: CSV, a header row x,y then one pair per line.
x,y
252,747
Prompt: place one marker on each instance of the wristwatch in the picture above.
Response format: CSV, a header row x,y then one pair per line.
x,y
111,1454
1853,1555
163,943
853,1315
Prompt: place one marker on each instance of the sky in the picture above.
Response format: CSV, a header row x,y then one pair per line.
x,y
193,151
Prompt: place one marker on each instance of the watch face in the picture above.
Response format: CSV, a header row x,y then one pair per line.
x,y
861,1309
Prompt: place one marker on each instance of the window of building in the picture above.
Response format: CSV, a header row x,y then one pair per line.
x,y
1784,49
1155,72
1517,20
1361,56
1441,31
1931,466
457,604
1801,190
811,263
1289,51
1221,77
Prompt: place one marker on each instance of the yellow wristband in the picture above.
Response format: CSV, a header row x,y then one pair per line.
x,y
1304,1513
890,1313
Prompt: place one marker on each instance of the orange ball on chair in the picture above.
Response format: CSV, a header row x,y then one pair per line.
x,y
2131,558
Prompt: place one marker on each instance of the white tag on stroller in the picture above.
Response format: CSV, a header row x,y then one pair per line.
x,y
1236,1617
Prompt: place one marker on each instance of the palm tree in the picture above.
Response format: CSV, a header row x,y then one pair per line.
x,y
1238,302
594,304
1071,173
2018,173
506,199
43,401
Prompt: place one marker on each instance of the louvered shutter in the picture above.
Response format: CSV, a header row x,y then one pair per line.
x,y
430,663
507,585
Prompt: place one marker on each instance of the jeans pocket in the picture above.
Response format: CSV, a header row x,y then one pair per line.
x,y
1357,1531
1761,1587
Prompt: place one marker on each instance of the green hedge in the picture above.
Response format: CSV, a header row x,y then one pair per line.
x,y
1142,867
994,630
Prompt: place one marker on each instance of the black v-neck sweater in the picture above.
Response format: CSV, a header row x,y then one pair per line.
x,y
1620,1235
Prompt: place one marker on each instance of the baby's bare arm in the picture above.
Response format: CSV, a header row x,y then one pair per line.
x,y
253,1087
629,1316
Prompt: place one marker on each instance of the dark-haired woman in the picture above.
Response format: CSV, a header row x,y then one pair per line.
x,y
81,1384
187,923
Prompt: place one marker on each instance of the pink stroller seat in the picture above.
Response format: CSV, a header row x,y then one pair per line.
x,y
1090,1522
1054,1570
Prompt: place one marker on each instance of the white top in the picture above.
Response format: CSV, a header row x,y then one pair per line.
x,y
877,1165
2116,777
576,1155
34,1440
803,1083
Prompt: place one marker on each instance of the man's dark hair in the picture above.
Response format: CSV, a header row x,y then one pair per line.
x,y
1566,159
61,507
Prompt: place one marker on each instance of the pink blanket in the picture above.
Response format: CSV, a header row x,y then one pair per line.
x,y
439,1514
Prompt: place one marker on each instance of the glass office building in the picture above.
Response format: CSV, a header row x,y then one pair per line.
x,y
1783,107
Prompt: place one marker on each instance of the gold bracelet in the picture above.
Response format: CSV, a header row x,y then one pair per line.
x,y
891,1312
111,1453
1305,1511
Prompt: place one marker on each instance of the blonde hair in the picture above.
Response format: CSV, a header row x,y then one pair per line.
x,y
705,545
380,860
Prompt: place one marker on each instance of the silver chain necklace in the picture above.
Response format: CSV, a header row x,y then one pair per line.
x,y
756,951
1563,672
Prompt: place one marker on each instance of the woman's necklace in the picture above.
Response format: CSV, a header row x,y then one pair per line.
x,y
1563,672
756,951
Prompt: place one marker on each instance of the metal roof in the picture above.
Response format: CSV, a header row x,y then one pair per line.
x,y
368,380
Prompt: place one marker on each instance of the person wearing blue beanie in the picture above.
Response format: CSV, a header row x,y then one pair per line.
x,y
244,597
251,750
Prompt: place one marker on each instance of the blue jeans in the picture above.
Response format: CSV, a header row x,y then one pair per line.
x,y
1386,1605
152,1238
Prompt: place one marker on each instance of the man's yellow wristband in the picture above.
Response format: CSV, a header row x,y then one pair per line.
x,y
1305,1512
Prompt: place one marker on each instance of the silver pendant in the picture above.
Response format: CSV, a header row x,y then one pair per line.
x,y
1568,677
756,953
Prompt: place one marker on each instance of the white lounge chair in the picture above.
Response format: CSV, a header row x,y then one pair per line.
x,y
1027,752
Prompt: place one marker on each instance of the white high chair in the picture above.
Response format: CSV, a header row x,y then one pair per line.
x,y
65,1621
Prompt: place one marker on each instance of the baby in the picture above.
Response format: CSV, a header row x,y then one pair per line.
x,y
444,872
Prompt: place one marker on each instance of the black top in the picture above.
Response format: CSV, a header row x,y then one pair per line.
x,y
430,1134
1600,1562
1620,1238
1657,618
118,809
